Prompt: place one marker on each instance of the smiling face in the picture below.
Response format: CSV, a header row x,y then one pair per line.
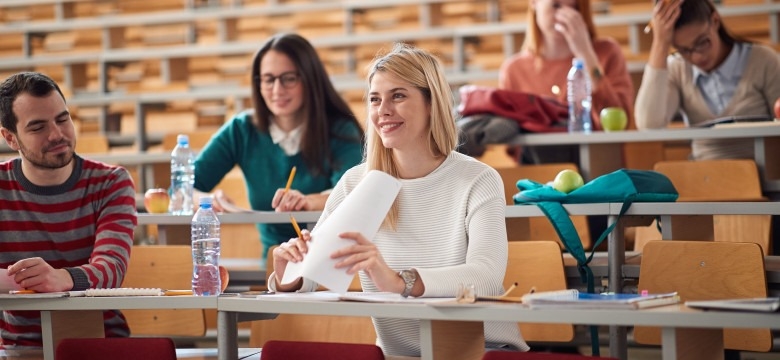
x,y
282,88
45,135
699,44
399,113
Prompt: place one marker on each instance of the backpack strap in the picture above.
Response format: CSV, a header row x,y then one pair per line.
x,y
560,220
626,204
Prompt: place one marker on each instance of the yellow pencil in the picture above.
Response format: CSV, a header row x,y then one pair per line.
x,y
23,291
649,26
297,228
289,180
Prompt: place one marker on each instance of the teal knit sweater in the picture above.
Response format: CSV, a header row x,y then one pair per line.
x,y
266,167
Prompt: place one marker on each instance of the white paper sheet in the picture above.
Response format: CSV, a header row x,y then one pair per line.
x,y
7,283
363,211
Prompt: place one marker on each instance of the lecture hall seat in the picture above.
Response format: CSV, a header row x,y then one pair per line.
x,y
304,350
146,348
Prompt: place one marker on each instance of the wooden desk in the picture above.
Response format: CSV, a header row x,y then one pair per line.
x,y
601,152
683,328
82,316
616,251
257,217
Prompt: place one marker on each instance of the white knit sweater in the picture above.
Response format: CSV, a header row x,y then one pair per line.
x,y
451,229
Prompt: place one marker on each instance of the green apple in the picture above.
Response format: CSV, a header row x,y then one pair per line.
x,y
567,181
613,119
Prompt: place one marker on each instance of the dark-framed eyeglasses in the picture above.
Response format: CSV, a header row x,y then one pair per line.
x,y
701,45
288,80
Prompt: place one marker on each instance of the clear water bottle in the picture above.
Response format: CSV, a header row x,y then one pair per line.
x,y
182,177
579,90
205,250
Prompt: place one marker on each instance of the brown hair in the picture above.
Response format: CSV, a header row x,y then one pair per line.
x,y
322,104
699,11
33,83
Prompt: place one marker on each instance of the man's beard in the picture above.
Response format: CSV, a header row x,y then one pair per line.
x,y
40,160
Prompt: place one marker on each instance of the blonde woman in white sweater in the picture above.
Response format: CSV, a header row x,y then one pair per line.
x,y
713,74
446,226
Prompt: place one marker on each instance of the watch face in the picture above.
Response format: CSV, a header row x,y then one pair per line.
x,y
409,277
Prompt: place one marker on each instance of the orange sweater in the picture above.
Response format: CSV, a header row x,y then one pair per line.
x,y
526,73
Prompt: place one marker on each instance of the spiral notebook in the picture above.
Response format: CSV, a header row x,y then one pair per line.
x,y
133,292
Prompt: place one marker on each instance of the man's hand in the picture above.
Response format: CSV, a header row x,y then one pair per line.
x,y
36,274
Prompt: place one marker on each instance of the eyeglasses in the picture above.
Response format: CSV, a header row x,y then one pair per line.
x,y
288,80
699,47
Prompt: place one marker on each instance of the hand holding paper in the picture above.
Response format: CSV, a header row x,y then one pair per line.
x,y
363,211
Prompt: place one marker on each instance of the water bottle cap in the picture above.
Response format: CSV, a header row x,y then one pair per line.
x,y
182,139
206,200
578,63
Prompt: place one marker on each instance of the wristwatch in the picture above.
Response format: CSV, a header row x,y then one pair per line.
x,y
409,277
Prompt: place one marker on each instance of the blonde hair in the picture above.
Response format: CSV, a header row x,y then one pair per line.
x,y
423,71
534,40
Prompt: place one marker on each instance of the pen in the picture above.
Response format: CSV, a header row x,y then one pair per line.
x,y
289,182
297,228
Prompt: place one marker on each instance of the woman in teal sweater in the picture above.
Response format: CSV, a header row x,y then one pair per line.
x,y
299,120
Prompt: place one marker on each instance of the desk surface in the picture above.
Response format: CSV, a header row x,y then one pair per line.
x,y
772,129
668,316
512,211
109,303
265,217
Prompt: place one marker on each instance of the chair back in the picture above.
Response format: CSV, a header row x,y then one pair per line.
x,y
537,228
700,270
305,350
715,180
316,328
116,349
538,265
167,267
516,355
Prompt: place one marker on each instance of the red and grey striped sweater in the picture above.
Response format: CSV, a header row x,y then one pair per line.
x,y
84,225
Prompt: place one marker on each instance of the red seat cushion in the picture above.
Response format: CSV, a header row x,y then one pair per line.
x,y
305,350
515,355
116,349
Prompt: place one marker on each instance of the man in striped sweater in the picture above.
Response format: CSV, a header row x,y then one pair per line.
x,y
66,223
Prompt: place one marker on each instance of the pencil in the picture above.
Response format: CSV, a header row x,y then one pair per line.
x,y
289,180
25,291
297,228
509,290
649,26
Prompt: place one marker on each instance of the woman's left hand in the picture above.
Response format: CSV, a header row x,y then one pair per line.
x,y
364,255
291,200
569,22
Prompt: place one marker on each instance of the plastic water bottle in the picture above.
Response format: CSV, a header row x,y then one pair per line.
x,y
579,90
205,250
182,177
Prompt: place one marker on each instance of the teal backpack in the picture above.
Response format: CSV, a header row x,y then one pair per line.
x,y
621,186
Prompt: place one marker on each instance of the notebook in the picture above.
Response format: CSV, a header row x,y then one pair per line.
x,y
771,304
735,119
577,300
